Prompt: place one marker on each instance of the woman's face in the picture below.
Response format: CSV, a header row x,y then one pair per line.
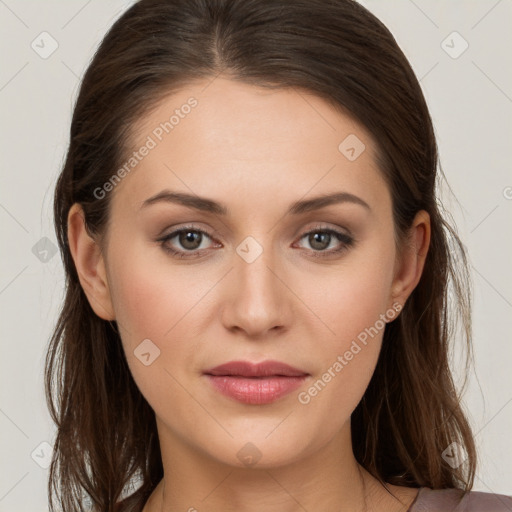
x,y
251,284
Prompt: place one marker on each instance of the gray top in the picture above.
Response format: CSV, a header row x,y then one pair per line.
x,y
453,500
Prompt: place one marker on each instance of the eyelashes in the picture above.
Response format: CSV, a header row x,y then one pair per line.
x,y
345,241
190,235
191,253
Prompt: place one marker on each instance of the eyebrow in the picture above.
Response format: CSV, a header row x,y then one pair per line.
x,y
296,208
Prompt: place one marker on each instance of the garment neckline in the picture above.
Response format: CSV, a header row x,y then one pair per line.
x,y
411,506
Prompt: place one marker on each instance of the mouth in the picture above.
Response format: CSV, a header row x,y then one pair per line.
x,y
255,384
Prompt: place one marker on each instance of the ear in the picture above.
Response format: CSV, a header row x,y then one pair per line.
x,y
411,259
89,264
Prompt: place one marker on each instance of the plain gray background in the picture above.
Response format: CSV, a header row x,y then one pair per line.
x,y
470,97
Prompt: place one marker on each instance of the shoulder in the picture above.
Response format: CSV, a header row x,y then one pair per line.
x,y
455,500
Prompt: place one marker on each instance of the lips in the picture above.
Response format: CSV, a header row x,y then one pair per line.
x,y
248,369
255,383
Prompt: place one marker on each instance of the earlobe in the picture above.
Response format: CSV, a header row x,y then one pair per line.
x,y
411,261
90,264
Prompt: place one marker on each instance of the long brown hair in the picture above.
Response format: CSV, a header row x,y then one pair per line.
x,y
411,411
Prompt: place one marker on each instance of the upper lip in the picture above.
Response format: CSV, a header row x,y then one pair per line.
x,y
249,369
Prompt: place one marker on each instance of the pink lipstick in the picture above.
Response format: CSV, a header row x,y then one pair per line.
x,y
255,384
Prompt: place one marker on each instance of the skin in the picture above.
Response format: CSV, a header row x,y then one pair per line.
x,y
256,151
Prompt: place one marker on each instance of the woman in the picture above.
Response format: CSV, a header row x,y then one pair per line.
x,y
257,271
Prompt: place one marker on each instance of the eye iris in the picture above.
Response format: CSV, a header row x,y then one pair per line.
x,y
190,237
314,240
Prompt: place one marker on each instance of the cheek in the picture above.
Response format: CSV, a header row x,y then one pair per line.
x,y
351,299
149,297
148,304
139,303
354,306
154,300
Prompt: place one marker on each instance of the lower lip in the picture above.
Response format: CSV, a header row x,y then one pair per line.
x,y
255,390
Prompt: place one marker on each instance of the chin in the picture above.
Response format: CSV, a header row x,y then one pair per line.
x,y
259,450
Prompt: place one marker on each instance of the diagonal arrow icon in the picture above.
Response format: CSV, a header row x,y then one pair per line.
x,y
147,352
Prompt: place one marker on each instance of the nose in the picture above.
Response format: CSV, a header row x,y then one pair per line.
x,y
257,296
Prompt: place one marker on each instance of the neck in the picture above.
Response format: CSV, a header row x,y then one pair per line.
x,y
329,479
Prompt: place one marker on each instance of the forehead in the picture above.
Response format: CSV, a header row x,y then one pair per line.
x,y
232,141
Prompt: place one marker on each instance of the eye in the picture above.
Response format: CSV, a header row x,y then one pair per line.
x,y
188,238
320,238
